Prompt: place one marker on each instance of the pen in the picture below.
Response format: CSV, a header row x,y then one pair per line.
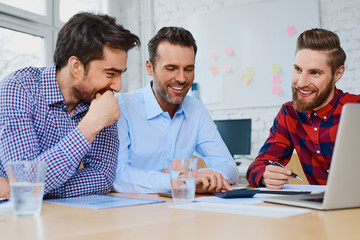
x,y
280,165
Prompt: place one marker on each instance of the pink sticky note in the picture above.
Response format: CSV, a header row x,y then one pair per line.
x,y
276,90
226,68
212,55
228,51
291,30
214,70
276,79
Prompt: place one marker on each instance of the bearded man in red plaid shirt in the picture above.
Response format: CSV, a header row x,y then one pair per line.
x,y
309,123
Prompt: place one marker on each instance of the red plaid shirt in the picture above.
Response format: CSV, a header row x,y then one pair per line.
x,y
311,133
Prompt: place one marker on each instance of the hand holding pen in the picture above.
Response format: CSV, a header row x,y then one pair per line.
x,y
276,175
280,165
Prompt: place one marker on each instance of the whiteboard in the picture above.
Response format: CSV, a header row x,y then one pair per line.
x,y
246,52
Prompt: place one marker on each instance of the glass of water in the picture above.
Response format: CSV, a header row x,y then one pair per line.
x,y
26,186
183,179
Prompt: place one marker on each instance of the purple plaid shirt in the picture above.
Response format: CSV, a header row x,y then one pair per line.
x,y
36,126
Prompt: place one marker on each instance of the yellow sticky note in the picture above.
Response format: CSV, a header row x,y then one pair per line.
x,y
250,71
245,79
276,68
214,70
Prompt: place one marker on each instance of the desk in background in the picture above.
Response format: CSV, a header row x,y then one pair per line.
x,y
158,221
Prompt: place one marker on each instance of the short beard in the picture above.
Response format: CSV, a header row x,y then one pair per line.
x,y
165,96
302,106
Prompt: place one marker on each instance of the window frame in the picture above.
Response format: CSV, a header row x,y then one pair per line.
x,y
19,20
27,15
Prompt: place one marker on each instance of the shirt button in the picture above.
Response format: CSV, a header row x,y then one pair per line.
x,y
325,117
315,129
315,114
318,151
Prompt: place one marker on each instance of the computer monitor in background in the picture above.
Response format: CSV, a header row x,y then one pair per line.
x,y
236,134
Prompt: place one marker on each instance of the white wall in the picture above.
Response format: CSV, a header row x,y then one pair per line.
x,y
340,16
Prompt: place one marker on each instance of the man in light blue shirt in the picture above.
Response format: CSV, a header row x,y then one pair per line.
x,y
160,122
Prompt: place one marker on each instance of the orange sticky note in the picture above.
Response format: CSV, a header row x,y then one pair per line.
x,y
276,90
245,79
214,70
276,79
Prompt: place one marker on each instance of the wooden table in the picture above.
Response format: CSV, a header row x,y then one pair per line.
x,y
157,221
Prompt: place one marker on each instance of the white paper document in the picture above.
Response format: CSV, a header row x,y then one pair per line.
x,y
214,199
101,201
249,210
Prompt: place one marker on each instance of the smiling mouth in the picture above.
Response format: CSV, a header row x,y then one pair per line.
x,y
304,93
177,88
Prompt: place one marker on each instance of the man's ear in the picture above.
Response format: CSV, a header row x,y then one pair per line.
x,y
75,66
149,68
338,73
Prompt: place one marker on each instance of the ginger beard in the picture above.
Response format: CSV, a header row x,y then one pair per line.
x,y
302,104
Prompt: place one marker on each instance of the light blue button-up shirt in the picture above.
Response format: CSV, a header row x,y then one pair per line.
x,y
149,137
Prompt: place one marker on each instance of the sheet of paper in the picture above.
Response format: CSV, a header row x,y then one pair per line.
x,y
99,201
250,210
214,199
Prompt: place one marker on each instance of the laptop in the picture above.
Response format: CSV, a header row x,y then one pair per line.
x,y
342,189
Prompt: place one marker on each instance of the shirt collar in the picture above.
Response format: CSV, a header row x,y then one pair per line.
x,y
49,86
325,112
152,106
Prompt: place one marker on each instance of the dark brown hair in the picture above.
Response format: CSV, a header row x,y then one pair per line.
x,y
85,35
326,41
174,35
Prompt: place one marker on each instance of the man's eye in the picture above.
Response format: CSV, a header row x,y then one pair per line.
x,y
315,73
110,74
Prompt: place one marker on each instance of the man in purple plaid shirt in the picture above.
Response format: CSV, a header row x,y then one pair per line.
x,y
66,114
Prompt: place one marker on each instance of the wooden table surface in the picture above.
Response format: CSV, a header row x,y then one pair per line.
x,y
158,221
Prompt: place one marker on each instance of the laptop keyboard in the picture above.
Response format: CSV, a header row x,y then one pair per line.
x,y
320,200
318,197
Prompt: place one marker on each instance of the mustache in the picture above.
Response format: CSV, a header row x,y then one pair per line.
x,y
307,89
